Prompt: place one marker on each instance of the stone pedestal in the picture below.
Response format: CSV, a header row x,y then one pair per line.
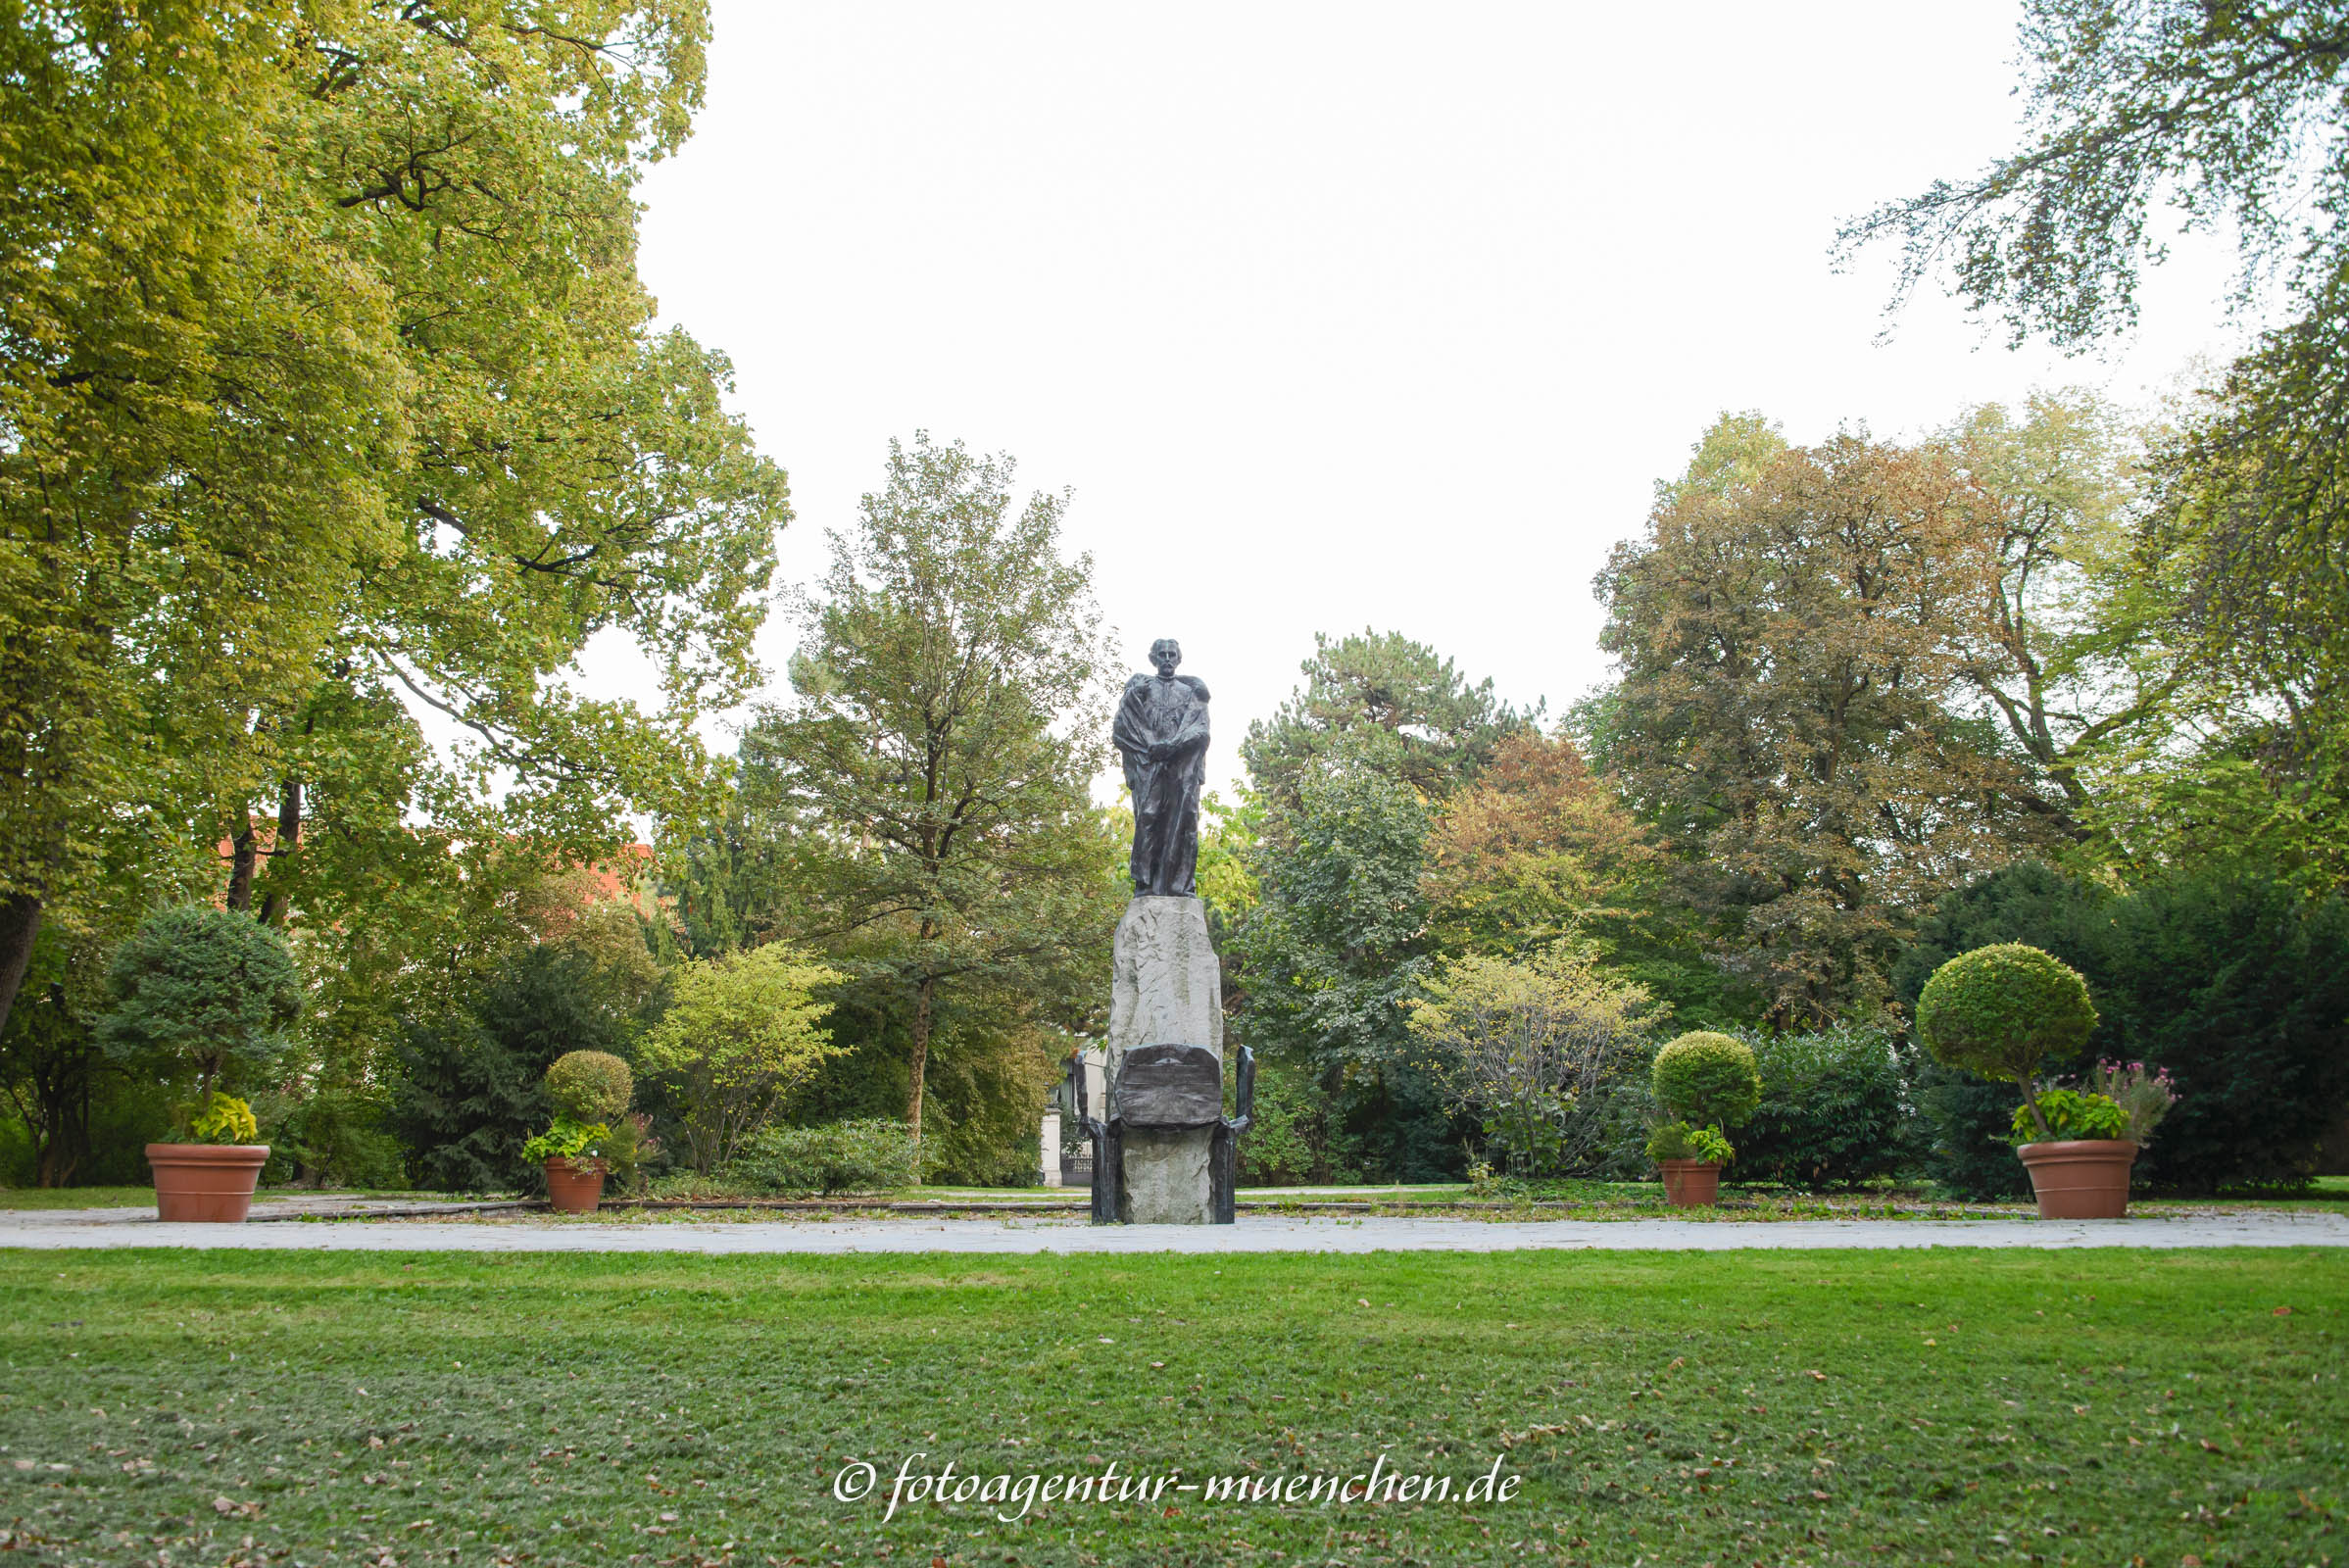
x,y
1166,989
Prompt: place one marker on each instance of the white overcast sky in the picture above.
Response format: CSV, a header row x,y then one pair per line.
x,y
1342,314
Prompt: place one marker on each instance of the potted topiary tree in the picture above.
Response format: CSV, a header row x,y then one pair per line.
x,y
2004,1011
591,1091
1706,1083
204,993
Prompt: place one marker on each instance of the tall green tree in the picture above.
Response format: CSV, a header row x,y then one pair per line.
x,y
947,718
1382,694
201,401
329,379
1337,947
2066,644
572,470
2231,118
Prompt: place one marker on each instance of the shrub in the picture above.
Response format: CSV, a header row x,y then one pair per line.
x,y
205,991
472,1081
629,1148
740,1037
2145,1096
333,1137
222,1119
1707,1078
844,1156
1532,1048
567,1140
1677,1140
2003,1010
2064,1113
1294,1141
1834,1109
590,1086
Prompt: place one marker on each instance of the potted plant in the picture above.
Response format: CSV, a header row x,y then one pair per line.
x,y
2003,1012
206,994
1705,1083
1690,1159
591,1091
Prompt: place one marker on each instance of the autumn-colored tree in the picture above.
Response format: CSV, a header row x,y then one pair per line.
x,y
1537,851
1790,706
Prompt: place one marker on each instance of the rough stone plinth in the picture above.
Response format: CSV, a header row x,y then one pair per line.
x,y
1166,989
1166,1176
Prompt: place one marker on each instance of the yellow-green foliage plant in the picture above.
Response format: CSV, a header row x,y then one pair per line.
x,y
742,1033
224,1119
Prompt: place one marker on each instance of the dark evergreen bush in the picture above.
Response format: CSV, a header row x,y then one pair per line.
x,y
473,1084
2240,988
1832,1108
332,1138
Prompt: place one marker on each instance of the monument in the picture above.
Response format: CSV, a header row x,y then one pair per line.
x,y
1164,1151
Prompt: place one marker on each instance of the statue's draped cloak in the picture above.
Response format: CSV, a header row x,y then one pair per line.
x,y
1170,714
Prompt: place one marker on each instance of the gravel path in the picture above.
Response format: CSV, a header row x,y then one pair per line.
x,y
113,1228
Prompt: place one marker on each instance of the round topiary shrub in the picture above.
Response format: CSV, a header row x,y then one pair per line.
x,y
1708,1079
591,1086
200,990
2001,1011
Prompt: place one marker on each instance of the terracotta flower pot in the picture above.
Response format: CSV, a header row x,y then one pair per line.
x,y
1691,1183
205,1183
2084,1178
576,1186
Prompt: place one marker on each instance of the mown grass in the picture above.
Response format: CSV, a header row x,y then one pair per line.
x,y
1820,1408
77,1198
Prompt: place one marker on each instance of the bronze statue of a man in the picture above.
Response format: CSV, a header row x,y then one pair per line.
x,y
1162,731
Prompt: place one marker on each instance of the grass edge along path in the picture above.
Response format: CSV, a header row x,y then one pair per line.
x,y
1820,1408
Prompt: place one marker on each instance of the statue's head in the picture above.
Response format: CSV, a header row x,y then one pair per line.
x,y
1166,654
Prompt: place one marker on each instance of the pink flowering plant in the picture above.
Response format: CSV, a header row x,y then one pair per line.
x,y
2145,1098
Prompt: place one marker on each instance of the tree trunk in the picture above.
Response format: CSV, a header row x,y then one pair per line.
x,y
20,923
240,862
289,839
60,1148
921,1062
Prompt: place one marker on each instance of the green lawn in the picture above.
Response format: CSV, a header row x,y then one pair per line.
x,y
1825,1407
77,1198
